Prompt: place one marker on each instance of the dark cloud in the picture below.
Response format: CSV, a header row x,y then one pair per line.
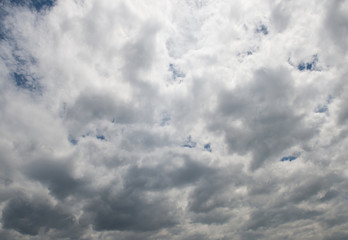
x,y
215,217
329,195
342,92
30,216
56,175
6,168
167,174
294,204
337,236
207,197
196,236
269,124
337,220
311,187
212,192
250,235
129,211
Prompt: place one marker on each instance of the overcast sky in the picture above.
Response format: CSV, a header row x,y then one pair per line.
x,y
174,119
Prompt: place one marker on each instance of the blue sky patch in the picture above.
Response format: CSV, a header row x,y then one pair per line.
x,y
175,72
301,67
26,82
3,31
262,29
43,4
38,5
165,119
189,143
100,137
329,99
321,109
72,140
22,75
288,158
309,66
207,147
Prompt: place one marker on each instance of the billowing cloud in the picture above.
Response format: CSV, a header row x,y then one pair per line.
x,y
195,119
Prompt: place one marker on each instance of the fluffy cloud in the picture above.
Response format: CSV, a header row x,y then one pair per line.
x,y
193,119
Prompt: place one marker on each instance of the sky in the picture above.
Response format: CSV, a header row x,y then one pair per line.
x,y
173,119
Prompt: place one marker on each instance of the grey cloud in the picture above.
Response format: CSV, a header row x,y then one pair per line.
x,y
337,220
30,216
280,17
342,97
94,105
167,174
139,54
196,236
128,211
293,202
213,191
337,236
337,24
208,196
144,140
217,217
139,57
312,190
56,175
6,235
312,187
272,218
251,235
262,187
6,166
138,60
329,195
269,123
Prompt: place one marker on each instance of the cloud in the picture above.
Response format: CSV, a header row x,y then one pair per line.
x,y
128,211
266,123
194,119
56,176
273,218
337,23
30,216
164,176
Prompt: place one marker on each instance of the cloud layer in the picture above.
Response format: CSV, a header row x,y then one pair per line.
x,y
193,119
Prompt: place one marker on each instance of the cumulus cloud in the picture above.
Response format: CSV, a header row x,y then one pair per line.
x,y
193,119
